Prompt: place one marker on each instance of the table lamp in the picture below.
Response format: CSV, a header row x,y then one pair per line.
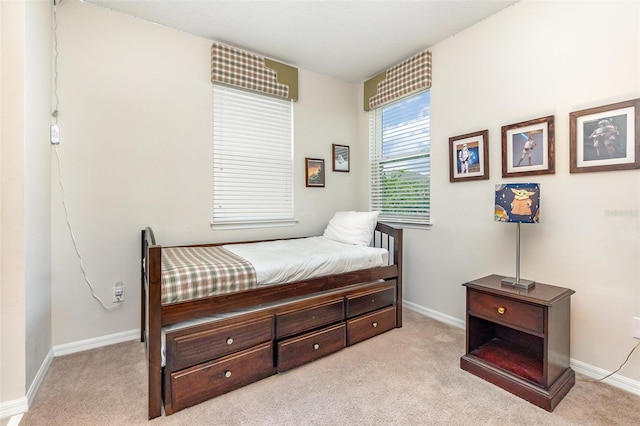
x,y
519,203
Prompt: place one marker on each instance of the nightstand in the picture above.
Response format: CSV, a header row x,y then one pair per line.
x,y
519,339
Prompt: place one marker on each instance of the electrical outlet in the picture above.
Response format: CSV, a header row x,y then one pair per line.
x,y
636,328
118,293
54,133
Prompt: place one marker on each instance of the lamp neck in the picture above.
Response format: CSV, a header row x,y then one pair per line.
x,y
518,253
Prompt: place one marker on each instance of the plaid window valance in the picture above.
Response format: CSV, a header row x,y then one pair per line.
x,y
400,80
240,68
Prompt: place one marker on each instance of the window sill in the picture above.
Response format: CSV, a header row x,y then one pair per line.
x,y
406,225
253,224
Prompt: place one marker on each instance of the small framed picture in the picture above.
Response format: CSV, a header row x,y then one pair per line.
x,y
340,154
469,156
528,148
605,138
314,171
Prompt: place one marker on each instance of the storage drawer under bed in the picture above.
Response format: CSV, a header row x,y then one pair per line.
x,y
205,381
366,326
195,345
371,299
296,321
311,346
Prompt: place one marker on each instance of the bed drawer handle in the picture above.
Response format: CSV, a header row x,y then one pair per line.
x,y
375,324
227,374
229,341
316,346
501,310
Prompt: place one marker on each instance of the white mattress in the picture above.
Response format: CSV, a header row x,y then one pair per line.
x,y
284,261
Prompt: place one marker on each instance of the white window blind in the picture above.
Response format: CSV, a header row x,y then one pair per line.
x,y
400,143
252,158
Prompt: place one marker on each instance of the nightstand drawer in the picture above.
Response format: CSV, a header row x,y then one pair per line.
x,y
518,314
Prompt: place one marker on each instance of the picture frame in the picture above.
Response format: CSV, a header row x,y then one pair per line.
x,y
341,158
469,156
314,172
528,147
605,138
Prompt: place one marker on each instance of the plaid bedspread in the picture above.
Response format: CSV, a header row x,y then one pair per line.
x,y
194,272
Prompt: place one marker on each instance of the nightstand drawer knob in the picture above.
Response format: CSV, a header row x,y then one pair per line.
x,y
501,310
316,346
375,324
227,374
229,341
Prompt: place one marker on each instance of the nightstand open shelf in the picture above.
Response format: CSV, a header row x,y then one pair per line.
x,y
519,339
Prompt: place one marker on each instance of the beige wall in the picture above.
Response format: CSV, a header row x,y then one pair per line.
x,y
531,60
25,175
12,264
37,183
136,149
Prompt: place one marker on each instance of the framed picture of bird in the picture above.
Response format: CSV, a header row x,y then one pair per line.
x,y
605,138
341,159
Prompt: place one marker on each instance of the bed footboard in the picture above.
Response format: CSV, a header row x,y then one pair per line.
x,y
151,318
391,238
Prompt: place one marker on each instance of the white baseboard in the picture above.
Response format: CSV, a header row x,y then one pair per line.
x,y
96,342
21,405
14,407
37,381
580,367
615,380
434,314
15,420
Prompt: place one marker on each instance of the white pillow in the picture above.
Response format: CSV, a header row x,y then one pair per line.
x,y
352,227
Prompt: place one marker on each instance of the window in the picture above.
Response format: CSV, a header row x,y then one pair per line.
x,y
400,142
252,159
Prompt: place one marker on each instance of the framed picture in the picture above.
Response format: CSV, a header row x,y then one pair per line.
x,y
605,138
340,154
314,168
469,156
528,148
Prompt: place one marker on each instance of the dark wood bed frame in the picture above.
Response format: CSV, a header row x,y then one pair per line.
x,y
155,315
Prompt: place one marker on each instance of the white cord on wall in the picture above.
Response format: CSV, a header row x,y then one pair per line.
x,y
73,237
54,114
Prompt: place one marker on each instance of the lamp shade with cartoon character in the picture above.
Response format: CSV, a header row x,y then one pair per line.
x,y
517,202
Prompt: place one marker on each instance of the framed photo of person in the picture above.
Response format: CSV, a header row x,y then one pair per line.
x,y
605,138
528,148
469,156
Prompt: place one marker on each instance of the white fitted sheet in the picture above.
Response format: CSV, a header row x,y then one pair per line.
x,y
284,261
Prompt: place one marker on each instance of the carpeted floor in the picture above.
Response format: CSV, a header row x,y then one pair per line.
x,y
407,376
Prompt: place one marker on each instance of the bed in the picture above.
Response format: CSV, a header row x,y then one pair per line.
x,y
203,343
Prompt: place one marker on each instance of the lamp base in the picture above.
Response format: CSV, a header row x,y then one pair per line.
x,y
518,283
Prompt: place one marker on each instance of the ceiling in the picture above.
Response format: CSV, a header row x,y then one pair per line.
x,y
351,40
